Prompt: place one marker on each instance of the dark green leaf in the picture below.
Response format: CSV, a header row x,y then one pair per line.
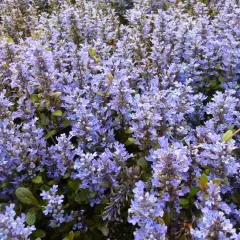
x,y
142,163
39,233
93,194
81,196
73,184
25,196
52,182
166,217
67,123
35,98
193,191
77,234
183,238
222,79
184,201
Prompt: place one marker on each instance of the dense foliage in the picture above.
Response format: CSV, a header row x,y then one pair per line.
x,y
119,120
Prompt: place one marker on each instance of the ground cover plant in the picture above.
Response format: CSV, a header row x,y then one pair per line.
x,y
119,119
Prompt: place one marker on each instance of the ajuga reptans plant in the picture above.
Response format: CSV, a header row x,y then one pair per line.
x,y
119,119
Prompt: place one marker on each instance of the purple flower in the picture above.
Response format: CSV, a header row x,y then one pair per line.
x,y
14,227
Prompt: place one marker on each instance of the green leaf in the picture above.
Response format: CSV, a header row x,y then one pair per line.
x,y
66,123
204,178
92,52
227,136
81,196
105,230
30,217
77,234
97,59
73,184
51,182
193,191
9,40
44,120
110,77
93,194
128,131
160,220
142,163
214,83
130,141
25,196
217,181
5,66
100,94
4,184
71,235
183,238
57,113
184,201
222,79
35,98
203,181
236,197
39,233
37,179
67,175
56,94
50,134
206,171
166,217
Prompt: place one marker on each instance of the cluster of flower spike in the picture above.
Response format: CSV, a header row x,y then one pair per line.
x,y
137,105
13,228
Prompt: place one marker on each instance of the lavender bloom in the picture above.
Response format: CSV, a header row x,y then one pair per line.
x,y
170,164
224,109
213,224
214,152
22,151
97,173
12,227
60,157
54,206
145,208
151,230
